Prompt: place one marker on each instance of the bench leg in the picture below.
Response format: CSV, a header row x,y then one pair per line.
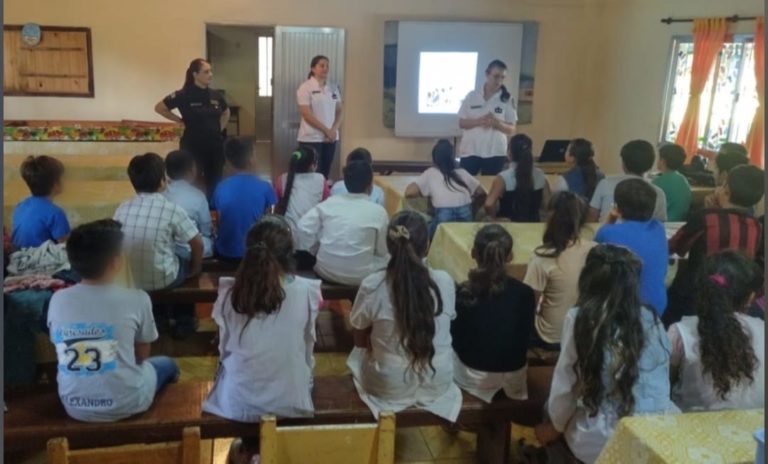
x,y
493,442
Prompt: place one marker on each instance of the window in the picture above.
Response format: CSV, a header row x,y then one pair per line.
x,y
265,66
729,101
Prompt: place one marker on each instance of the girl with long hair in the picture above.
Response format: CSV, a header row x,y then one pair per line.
x,y
487,117
522,190
553,272
450,189
401,319
204,114
718,357
301,188
493,323
583,176
615,357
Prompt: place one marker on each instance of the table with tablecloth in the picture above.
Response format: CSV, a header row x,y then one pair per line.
x,y
451,248
721,437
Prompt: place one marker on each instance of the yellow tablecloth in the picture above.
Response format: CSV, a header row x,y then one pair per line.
x,y
451,248
83,201
710,437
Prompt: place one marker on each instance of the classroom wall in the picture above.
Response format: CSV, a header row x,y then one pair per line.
x,y
600,70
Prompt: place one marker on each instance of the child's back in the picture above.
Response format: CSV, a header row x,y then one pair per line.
x,y
676,189
240,201
309,189
182,172
37,219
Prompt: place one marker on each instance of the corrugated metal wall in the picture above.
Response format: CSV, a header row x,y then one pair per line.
x,y
294,49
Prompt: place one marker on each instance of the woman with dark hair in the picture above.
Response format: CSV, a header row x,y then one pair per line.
x,y
320,106
487,117
205,114
583,176
522,191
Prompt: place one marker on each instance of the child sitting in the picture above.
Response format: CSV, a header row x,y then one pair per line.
x,y
718,356
240,199
627,374
637,159
37,219
301,188
347,233
153,225
103,333
182,172
359,154
711,230
631,225
583,177
266,317
675,186
493,323
553,272
401,320
522,190
450,189
728,157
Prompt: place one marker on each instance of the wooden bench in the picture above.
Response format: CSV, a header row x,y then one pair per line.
x,y
205,289
35,417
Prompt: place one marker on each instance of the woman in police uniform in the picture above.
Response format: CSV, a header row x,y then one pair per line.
x,y
204,114
320,106
487,117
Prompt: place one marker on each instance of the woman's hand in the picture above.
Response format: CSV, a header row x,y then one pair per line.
x,y
330,134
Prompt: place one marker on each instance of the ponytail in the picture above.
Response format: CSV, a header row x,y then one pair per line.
x,y
567,215
301,161
258,287
443,159
727,353
582,151
492,249
194,66
520,151
416,297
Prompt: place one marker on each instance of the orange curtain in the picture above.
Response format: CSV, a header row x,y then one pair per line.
x,y
708,39
756,138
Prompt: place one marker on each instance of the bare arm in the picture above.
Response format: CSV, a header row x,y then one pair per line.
x,y
339,117
224,119
497,190
163,111
412,191
504,127
196,263
141,351
467,123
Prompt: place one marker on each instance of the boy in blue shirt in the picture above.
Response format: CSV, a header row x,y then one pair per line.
x,y
240,199
37,219
631,224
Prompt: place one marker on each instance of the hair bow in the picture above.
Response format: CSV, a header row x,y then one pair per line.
x,y
399,232
719,280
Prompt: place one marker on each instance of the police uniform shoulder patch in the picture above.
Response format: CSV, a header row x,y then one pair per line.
x,y
499,110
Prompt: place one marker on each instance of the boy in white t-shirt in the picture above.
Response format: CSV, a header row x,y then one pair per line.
x,y
103,333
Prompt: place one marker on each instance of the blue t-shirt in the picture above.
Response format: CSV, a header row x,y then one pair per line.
x,y
240,201
648,241
37,219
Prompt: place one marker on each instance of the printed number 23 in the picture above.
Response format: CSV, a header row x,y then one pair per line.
x,y
95,359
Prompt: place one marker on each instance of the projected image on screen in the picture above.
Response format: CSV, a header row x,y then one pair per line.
x,y
445,78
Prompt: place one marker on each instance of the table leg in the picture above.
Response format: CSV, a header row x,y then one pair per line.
x,y
493,441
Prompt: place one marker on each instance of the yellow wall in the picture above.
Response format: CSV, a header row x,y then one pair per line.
x,y
599,74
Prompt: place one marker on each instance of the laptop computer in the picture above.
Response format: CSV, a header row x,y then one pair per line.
x,y
553,151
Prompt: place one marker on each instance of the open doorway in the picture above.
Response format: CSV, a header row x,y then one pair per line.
x,y
242,60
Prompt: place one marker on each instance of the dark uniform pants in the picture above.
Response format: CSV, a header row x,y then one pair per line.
x,y
209,156
325,153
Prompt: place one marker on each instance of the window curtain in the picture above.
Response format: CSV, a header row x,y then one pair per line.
x,y
708,39
756,138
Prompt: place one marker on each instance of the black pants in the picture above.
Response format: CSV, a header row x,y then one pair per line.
x,y
209,157
325,153
485,166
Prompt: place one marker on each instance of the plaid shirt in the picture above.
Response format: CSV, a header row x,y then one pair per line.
x,y
713,230
152,225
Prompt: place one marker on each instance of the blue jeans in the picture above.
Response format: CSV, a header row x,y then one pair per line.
x,y
166,368
455,214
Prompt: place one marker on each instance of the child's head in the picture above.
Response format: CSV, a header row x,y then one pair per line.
x,y
303,160
566,215
492,250
95,250
635,200
520,151
43,175
358,177
609,320
238,151
671,157
744,188
180,165
728,157
360,154
258,287
727,284
580,152
415,296
147,173
637,157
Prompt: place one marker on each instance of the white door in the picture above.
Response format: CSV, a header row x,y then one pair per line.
x,y
294,49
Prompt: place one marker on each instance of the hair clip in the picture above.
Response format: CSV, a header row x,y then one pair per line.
x,y
297,154
399,232
258,245
719,280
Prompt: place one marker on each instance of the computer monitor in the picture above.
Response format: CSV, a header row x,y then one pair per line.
x,y
553,151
